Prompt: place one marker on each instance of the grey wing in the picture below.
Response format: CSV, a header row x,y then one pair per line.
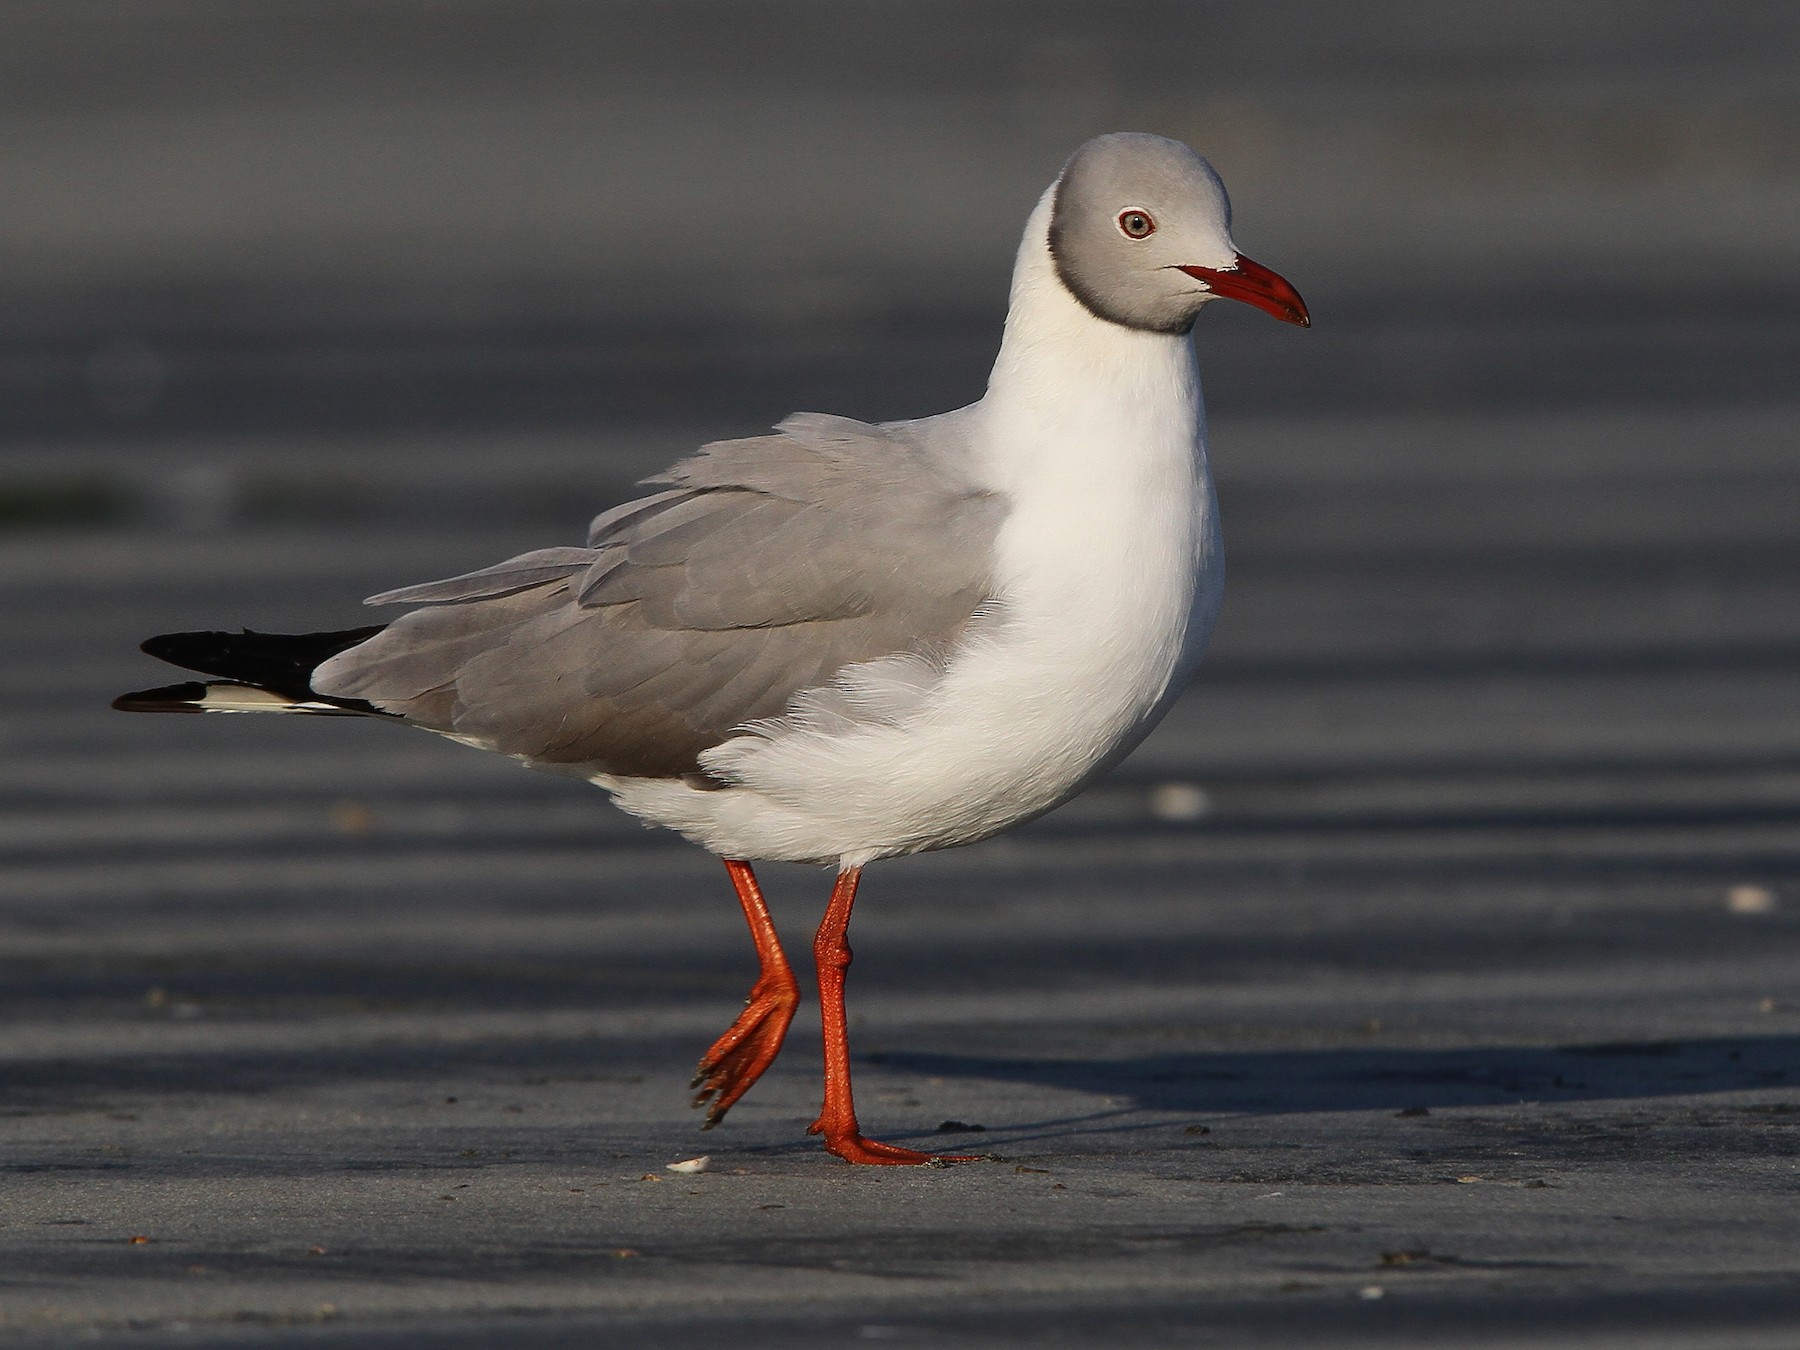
x,y
766,567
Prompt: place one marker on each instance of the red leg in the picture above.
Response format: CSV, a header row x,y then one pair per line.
x,y
737,1059
837,1122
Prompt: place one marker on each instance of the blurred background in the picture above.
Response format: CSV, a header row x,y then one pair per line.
x,y
223,222
1497,750
298,303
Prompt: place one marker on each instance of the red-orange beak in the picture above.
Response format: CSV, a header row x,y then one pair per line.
x,y
1256,285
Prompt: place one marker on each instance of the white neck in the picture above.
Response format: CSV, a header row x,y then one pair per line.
x,y
1080,407
1057,355
1094,432
1067,383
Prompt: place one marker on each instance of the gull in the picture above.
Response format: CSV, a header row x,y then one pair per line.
x,y
845,642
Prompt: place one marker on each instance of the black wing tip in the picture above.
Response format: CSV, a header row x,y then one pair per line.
x,y
185,697
178,648
281,663
205,643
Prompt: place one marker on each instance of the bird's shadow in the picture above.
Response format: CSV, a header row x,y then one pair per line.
x,y
1405,1081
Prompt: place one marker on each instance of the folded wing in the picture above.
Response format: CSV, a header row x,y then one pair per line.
x,y
766,567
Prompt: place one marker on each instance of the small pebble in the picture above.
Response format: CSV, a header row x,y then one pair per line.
x,y
1180,802
352,818
1748,899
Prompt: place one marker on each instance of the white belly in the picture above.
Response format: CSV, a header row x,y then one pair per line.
x,y
1105,598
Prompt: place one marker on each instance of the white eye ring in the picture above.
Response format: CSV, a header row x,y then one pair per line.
x,y
1135,223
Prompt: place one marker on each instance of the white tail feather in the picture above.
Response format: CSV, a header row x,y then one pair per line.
x,y
245,698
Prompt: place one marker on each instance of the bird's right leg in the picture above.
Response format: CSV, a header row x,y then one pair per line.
x,y
737,1059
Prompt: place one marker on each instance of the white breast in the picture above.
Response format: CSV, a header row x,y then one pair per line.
x,y
1107,577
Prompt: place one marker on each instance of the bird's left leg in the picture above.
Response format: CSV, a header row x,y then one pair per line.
x,y
837,1121
737,1059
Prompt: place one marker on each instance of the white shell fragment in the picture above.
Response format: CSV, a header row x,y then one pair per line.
x,y
689,1166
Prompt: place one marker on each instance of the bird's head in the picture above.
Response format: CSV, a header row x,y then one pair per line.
x,y
1140,232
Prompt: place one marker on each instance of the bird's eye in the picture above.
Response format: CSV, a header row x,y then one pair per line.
x,y
1136,224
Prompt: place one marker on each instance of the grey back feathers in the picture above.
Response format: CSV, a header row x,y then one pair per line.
x,y
766,568
1132,280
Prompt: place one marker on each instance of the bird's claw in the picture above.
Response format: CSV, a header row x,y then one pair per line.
x,y
854,1148
733,1063
849,1143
